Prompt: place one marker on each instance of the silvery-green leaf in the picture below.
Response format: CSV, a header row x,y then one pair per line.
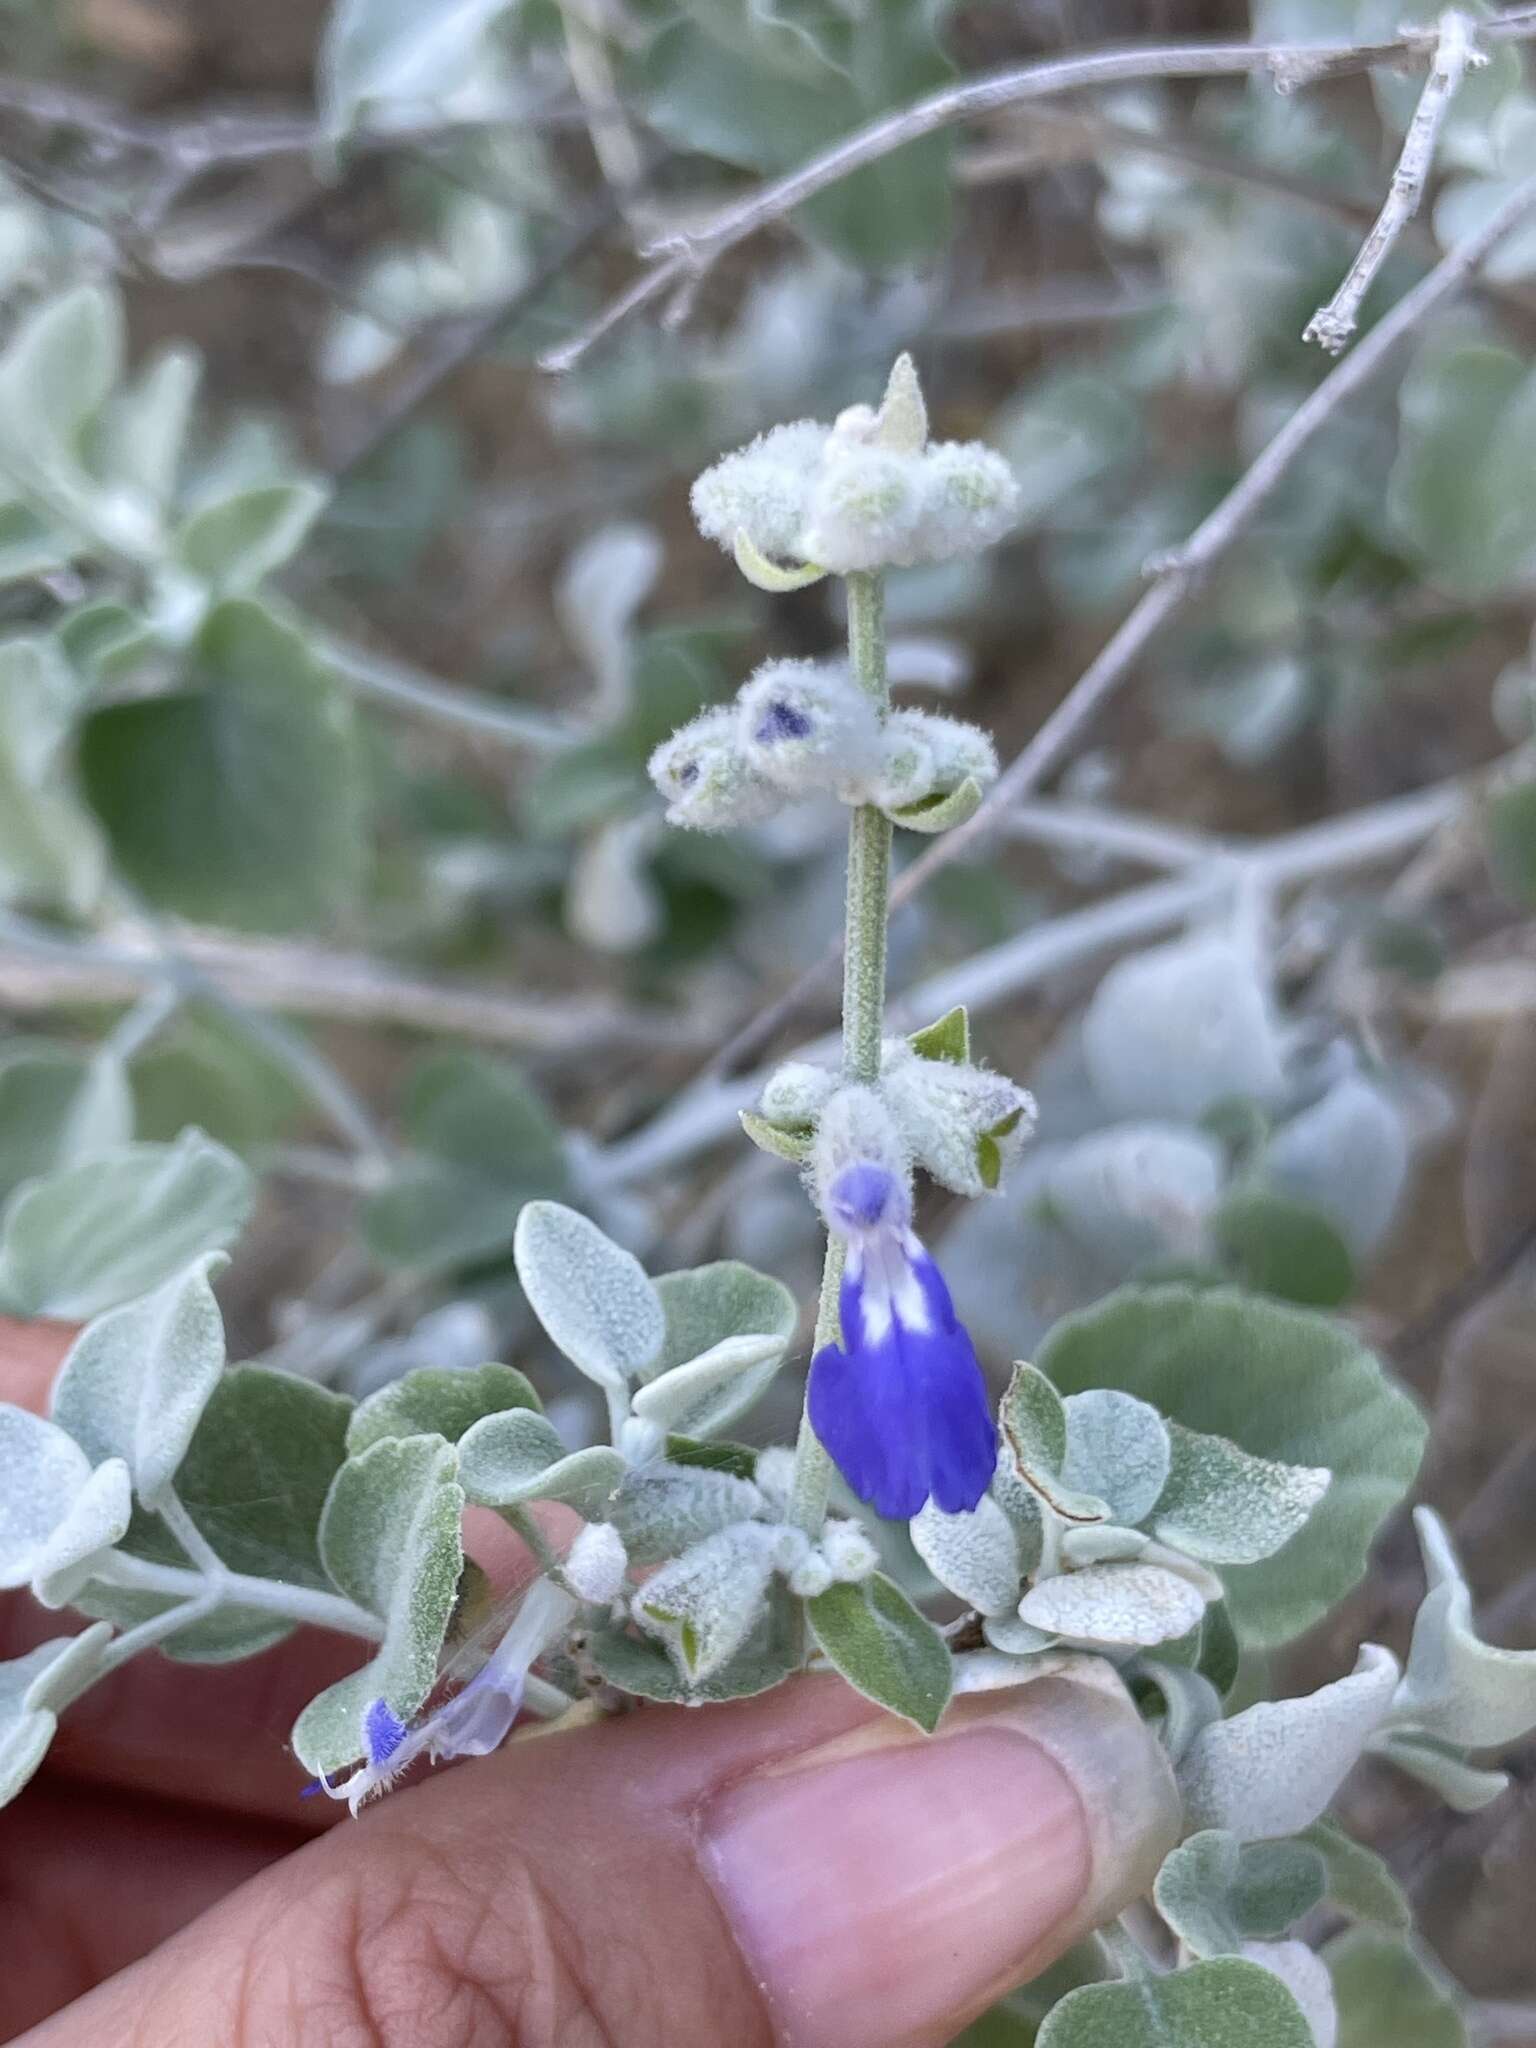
x,y
1455,1688
1305,1975
1190,1703
592,1297
137,1379
975,1555
97,1520
140,438
1384,1994
61,362
1117,1604
939,813
600,590
661,1509
946,1038
765,574
612,904
1175,1029
34,1690
378,57
91,1236
1016,1638
1101,1543
1228,1507
54,1511
1347,1154
994,1670
434,1401
1034,1425
389,1538
232,544
781,1142
1466,1788
885,1649
704,1604
706,1309
1359,1882
770,1651
1225,2003
51,850
1117,1449
1285,1383
1024,1508
693,1399
1216,1893
1136,1192
1272,1769
516,1456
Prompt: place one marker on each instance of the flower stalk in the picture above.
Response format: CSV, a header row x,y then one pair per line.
x,y
864,954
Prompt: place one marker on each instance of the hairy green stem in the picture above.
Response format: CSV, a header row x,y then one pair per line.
x,y
869,882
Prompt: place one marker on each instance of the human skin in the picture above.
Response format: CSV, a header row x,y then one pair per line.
x,y
799,1869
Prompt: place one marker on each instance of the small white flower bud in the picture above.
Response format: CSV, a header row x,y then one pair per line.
x,y
791,1548
774,1477
860,1166
811,1577
805,725
903,419
970,498
596,1563
708,782
797,1092
860,423
906,772
944,1112
762,490
864,508
849,1553
927,754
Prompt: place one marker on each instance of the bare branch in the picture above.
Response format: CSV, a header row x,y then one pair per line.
x,y
683,258
1332,325
393,681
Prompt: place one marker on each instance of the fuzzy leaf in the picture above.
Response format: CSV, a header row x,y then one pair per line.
x,y
1179,1027
1034,1425
704,1604
1359,1882
1284,1383
947,1038
232,544
768,575
727,1330
136,1381
1117,1450
57,1110
661,1510
435,1402
55,1511
769,1653
934,814
1384,1994
1215,1893
885,1649
389,1538
1456,1689
695,1398
60,364
1272,1769
34,1690
1442,1766
92,1236
592,1297
514,1456
776,1139
1222,1505
1226,2003
975,1555
1115,1603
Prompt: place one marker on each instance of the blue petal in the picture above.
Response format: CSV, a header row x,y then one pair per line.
x,y
906,1418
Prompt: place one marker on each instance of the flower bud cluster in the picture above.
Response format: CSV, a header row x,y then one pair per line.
x,y
960,1122
868,492
803,728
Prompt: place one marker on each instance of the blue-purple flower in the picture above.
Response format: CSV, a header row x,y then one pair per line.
x,y
900,1404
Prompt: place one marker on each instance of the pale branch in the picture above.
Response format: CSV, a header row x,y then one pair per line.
x,y
1092,829
392,681
1176,575
1455,53
706,1113
680,260
43,971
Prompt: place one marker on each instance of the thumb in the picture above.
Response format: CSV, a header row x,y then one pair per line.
x,y
798,1869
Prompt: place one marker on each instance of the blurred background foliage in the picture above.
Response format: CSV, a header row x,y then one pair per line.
x,y
335,633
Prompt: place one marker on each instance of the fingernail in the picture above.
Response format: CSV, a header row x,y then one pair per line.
x,y
887,1887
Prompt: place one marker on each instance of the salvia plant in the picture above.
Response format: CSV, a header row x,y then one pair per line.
x,y
1183,1477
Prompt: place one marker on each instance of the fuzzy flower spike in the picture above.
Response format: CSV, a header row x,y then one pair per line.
x,y
900,1404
